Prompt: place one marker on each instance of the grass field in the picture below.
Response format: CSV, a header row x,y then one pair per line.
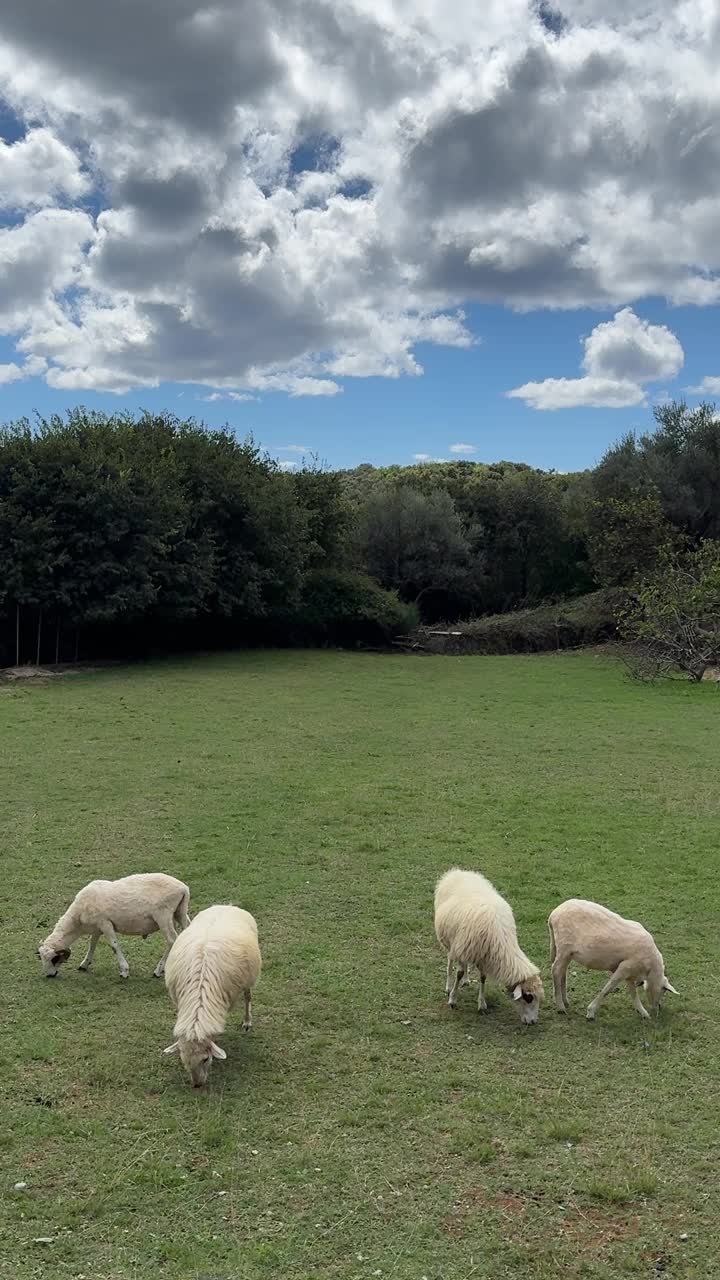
x,y
362,1129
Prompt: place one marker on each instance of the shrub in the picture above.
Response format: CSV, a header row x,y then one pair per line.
x,y
342,608
568,624
672,619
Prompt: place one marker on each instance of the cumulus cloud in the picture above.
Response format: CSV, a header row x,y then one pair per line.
x,y
621,356
10,373
710,386
463,448
37,170
277,196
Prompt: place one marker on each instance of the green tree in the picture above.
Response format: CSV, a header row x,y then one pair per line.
x,y
673,615
626,535
414,542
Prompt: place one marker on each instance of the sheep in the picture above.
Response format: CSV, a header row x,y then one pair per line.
x,y
210,964
597,938
476,926
139,904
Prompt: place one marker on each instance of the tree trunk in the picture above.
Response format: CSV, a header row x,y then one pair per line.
x,y
57,642
17,635
39,634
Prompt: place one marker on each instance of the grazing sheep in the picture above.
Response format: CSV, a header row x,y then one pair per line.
x,y
597,938
211,963
476,926
139,904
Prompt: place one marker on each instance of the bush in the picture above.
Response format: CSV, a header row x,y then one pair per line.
x,y
569,624
672,619
346,609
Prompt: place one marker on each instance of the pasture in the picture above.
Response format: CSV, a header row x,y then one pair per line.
x,y
362,1129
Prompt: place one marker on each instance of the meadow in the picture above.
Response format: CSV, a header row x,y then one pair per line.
x,y
362,1129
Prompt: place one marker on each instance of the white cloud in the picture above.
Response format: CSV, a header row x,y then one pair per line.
x,y
40,258
632,349
710,386
287,464
426,457
294,448
621,355
16,373
294,193
463,448
10,373
37,170
572,393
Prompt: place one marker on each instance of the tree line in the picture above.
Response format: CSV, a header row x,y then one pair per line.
x,y
120,534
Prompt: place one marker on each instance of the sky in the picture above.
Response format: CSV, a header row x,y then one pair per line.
x,y
363,230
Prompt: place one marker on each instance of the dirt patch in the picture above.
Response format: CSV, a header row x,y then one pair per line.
x,y
25,673
591,1230
42,674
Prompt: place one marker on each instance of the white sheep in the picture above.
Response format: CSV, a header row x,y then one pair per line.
x,y
597,938
135,905
476,926
212,962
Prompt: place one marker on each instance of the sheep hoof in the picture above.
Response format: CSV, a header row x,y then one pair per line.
x,y
590,1015
126,974
482,1008
247,1026
561,1008
83,968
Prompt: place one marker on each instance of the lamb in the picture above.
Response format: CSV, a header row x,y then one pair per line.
x,y
139,904
597,938
476,926
211,963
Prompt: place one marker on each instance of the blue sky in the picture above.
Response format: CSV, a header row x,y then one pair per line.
x,y
518,198
460,399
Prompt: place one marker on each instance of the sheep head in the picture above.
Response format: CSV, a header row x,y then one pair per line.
x,y
52,957
196,1057
527,997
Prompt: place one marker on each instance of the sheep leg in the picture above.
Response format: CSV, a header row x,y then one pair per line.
x,y
109,932
482,1002
181,915
634,996
88,958
452,997
450,975
559,977
611,985
247,1021
167,928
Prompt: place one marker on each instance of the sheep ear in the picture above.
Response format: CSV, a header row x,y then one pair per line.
x,y
172,1048
217,1052
517,992
667,986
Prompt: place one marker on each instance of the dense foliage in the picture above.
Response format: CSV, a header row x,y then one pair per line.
x,y
122,534
673,615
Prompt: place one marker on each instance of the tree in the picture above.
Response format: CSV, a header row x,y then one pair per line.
x,y
626,535
414,542
673,616
329,517
679,462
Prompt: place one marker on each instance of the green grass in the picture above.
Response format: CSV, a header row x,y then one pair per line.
x,y
362,1129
